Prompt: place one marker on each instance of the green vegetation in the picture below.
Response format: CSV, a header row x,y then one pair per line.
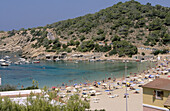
x,y
7,87
143,53
123,48
43,104
164,51
34,85
130,21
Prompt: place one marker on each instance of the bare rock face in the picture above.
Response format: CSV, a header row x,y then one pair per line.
x,y
19,43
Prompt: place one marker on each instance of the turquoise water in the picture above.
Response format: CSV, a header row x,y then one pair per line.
x,y
54,73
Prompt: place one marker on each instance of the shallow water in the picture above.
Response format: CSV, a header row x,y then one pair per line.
x,y
54,73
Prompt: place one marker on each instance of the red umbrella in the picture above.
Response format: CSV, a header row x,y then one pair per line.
x,y
53,87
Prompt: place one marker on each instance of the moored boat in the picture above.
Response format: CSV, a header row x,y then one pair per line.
x,y
4,64
36,61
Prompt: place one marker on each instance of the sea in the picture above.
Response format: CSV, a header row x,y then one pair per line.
x,y
49,73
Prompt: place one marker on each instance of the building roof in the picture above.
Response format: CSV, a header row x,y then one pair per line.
x,y
159,83
167,103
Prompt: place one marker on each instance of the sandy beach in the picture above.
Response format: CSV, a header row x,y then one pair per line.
x,y
134,100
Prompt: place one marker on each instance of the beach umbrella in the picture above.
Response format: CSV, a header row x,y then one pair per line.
x,y
53,87
84,93
131,77
56,89
127,83
139,80
124,81
67,88
84,89
152,76
104,84
91,87
98,83
140,76
75,84
74,90
107,90
157,75
132,85
85,96
135,77
46,96
137,89
130,81
147,75
92,91
150,80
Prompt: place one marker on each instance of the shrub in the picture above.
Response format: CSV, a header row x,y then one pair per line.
x,y
8,87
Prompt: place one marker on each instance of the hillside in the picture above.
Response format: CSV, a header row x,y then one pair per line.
x,y
116,30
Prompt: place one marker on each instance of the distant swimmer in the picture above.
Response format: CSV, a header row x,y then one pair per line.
x,y
43,67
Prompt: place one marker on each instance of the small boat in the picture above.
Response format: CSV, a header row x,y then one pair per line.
x,y
57,59
92,60
143,61
17,63
36,61
76,62
137,60
2,60
4,64
27,62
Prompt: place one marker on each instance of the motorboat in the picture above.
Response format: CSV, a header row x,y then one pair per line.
x,y
2,60
17,63
4,64
36,61
57,59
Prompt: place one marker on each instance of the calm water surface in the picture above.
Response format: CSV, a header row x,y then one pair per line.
x,y
54,73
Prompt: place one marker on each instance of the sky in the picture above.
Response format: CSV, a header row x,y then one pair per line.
x,y
17,14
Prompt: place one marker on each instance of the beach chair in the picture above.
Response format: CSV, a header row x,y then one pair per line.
x,y
112,96
96,99
98,93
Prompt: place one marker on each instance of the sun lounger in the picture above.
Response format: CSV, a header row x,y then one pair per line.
x,y
112,96
96,101
98,93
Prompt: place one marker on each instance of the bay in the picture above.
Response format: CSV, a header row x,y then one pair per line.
x,y
55,73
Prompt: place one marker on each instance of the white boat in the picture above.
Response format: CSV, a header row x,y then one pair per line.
x,y
17,63
48,59
143,61
2,60
27,62
57,59
76,62
4,64
6,57
36,61
92,60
